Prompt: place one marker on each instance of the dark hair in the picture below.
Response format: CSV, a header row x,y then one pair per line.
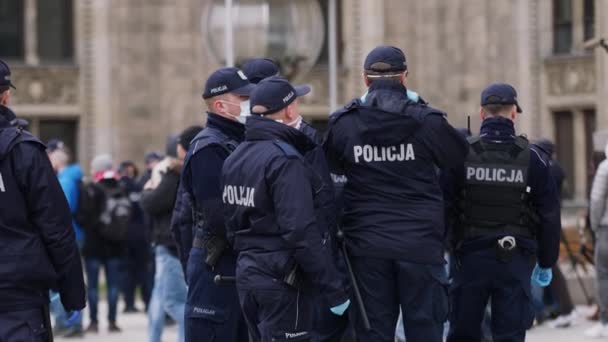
x,y
496,109
4,88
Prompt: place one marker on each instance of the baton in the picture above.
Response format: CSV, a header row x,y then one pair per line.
x,y
220,279
364,318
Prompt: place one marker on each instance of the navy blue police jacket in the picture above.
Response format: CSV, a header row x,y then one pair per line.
x,y
182,224
38,248
543,196
390,149
272,210
201,175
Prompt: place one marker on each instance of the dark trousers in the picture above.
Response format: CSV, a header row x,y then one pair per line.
x,y
213,312
24,325
420,290
279,314
139,273
480,277
114,275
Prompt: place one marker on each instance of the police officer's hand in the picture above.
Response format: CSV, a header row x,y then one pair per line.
x,y
542,276
339,309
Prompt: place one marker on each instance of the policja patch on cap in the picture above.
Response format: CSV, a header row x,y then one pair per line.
x,y
227,80
274,94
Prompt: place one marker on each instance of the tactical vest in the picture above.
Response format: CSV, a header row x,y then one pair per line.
x,y
207,137
495,199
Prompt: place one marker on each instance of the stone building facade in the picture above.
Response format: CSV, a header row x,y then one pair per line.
x,y
134,70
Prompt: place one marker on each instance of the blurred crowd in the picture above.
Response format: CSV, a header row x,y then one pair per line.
x,y
122,223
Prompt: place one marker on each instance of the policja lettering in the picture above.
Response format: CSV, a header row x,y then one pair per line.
x,y
239,195
486,174
384,153
2,189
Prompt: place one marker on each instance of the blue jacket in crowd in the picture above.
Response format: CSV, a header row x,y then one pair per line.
x,y
543,196
272,207
390,149
37,246
69,178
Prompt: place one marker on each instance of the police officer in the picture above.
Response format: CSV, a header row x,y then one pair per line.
x,y
273,218
328,327
37,244
212,310
389,148
257,69
506,212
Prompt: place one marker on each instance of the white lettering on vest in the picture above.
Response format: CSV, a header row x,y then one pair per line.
x,y
486,174
371,153
239,195
2,189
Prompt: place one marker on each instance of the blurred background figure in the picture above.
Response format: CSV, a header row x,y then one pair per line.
x,y
70,177
598,214
139,267
158,199
105,215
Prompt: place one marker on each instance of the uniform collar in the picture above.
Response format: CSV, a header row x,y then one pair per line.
x,y
6,116
261,128
233,129
497,127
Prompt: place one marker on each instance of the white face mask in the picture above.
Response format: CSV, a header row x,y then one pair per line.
x,y
245,112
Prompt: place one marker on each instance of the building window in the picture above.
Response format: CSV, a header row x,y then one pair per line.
x,y
55,26
11,29
589,19
62,129
562,26
590,127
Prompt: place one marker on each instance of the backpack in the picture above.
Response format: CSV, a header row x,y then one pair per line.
x,y
109,210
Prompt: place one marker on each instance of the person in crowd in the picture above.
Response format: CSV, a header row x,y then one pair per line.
x,y
598,215
139,268
70,176
104,214
158,199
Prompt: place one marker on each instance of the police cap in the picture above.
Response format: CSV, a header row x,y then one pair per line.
x,y
5,75
257,69
274,94
501,94
385,59
227,80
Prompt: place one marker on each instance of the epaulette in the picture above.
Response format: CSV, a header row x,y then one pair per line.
x,y
289,150
346,109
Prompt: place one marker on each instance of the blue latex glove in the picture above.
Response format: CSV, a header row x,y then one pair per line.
x,y
542,276
74,317
339,309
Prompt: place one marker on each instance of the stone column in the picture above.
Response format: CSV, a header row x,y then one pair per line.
x,y
580,157
31,32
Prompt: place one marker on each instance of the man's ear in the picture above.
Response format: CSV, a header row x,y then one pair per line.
x,y
482,114
514,113
366,80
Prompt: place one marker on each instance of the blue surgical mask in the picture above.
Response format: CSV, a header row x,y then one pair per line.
x,y
412,95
